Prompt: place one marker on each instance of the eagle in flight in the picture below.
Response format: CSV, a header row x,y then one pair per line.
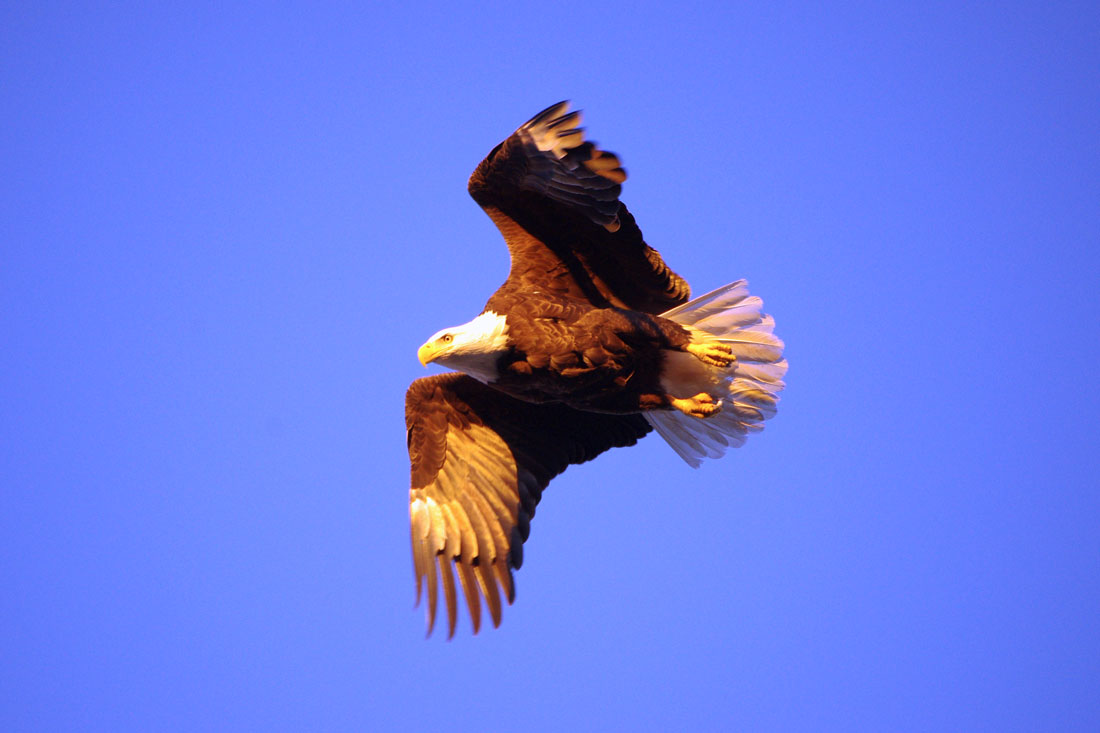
x,y
589,344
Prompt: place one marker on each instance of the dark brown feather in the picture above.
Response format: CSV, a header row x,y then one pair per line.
x,y
554,197
593,359
480,460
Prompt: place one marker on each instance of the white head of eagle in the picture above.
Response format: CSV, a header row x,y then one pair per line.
x,y
473,348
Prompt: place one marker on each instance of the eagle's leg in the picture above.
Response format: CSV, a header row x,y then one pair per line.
x,y
701,405
714,353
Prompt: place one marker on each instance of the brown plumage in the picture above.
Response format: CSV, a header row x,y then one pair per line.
x,y
574,354
479,468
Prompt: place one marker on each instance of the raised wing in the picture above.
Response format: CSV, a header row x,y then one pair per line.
x,y
555,198
480,461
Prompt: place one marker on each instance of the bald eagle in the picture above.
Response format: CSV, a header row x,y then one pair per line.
x,y
589,344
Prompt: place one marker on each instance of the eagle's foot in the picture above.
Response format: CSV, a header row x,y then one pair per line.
x,y
713,353
701,405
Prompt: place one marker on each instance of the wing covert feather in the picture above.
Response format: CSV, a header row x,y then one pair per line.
x,y
479,462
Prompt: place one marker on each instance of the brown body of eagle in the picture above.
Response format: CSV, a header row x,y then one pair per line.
x,y
588,345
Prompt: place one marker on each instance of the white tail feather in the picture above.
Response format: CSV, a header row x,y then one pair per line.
x,y
748,392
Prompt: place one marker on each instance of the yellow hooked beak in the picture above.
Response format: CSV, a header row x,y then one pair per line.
x,y
427,353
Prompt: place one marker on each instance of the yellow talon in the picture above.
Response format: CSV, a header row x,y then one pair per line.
x,y
713,353
701,405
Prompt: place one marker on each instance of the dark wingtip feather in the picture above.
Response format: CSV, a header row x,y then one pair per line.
x,y
469,589
448,593
554,110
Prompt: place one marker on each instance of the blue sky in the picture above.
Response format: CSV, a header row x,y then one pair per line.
x,y
225,231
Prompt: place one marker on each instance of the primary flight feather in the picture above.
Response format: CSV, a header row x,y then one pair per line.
x,y
588,345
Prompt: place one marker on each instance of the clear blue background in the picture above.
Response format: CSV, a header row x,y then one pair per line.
x,y
225,231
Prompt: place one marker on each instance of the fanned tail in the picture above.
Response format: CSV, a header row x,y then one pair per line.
x,y
748,392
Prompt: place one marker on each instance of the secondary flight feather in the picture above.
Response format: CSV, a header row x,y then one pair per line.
x,y
588,345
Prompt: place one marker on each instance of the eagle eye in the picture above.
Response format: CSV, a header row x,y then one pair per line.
x,y
447,338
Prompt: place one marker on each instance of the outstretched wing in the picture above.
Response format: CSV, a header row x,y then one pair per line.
x,y
480,460
555,198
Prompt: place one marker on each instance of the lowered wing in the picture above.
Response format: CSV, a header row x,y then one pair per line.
x,y
480,461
